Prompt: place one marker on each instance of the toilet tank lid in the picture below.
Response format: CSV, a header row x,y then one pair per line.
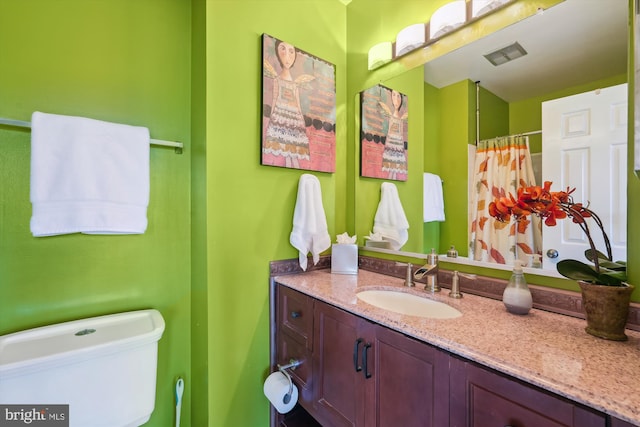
x,y
80,338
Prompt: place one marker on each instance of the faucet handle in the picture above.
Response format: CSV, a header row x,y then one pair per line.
x,y
408,281
455,286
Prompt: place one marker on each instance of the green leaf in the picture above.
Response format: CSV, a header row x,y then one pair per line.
x,y
576,270
588,255
612,265
605,262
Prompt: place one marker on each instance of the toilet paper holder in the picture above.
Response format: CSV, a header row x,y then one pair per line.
x,y
293,364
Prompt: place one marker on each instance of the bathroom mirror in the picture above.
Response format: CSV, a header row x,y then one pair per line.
x,y
572,44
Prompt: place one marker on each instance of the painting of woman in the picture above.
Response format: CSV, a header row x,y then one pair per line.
x,y
394,157
384,119
289,139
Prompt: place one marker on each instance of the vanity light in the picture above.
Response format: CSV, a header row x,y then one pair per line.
x,y
480,7
380,54
506,54
410,38
448,18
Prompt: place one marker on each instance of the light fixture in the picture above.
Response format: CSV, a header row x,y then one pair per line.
x,y
480,7
380,54
506,54
447,18
410,38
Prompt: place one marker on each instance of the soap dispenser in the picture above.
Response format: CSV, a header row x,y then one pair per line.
x,y
517,297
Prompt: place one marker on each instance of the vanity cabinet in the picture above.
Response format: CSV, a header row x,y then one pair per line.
x,y
481,397
359,373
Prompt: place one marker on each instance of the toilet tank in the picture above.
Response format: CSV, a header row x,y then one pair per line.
x,y
103,367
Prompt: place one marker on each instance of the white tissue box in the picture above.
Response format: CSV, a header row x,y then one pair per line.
x,y
344,258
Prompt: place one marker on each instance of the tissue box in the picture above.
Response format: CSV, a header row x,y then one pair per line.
x,y
344,258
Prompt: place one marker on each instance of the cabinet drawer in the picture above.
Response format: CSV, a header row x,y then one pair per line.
x,y
295,315
480,397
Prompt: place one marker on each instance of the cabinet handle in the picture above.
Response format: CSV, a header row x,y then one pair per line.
x,y
365,351
295,314
356,349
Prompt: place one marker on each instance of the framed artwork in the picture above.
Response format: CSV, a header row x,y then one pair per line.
x,y
298,108
383,134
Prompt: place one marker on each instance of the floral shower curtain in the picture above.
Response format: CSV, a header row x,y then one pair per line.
x,y
501,166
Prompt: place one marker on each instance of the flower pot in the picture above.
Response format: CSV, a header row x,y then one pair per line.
x,y
606,309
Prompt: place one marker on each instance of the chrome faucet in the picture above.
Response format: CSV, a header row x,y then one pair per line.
x,y
430,269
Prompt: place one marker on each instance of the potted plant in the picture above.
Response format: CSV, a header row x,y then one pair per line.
x,y
605,292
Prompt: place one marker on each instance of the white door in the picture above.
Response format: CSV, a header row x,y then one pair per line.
x,y
584,145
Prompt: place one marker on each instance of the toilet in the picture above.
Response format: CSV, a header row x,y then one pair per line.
x,y
103,367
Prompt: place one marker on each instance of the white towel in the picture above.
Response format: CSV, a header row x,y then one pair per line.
x,y
309,232
390,220
88,176
433,202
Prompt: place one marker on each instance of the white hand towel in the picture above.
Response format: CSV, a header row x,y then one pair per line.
x,y
433,201
390,220
88,176
309,232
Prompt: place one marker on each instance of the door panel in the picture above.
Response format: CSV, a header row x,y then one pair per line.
x,y
584,145
411,382
338,390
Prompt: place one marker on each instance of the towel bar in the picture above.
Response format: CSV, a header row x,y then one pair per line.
x,y
20,123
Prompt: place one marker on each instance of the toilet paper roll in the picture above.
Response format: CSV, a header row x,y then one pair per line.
x,y
276,388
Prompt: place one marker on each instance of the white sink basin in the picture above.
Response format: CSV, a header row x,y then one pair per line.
x,y
409,304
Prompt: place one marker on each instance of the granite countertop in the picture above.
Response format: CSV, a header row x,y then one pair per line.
x,y
549,350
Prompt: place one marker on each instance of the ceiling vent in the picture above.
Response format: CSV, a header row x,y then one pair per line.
x,y
506,54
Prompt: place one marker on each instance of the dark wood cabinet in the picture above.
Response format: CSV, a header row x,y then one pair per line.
x,y
359,373
339,339
369,375
409,382
481,397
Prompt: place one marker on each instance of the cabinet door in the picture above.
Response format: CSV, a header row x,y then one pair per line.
x,y
337,372
411,383
481,398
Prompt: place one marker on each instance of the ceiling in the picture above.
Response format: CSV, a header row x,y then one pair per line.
x,y
572,43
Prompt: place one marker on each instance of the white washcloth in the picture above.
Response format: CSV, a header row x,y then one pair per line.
x,y
309,232
433,202
88,176
390,220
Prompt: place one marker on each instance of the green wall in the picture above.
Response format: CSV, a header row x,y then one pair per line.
x,y
432,132
120,61
249,206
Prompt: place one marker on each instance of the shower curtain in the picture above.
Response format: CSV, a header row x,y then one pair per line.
x,y
501,166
